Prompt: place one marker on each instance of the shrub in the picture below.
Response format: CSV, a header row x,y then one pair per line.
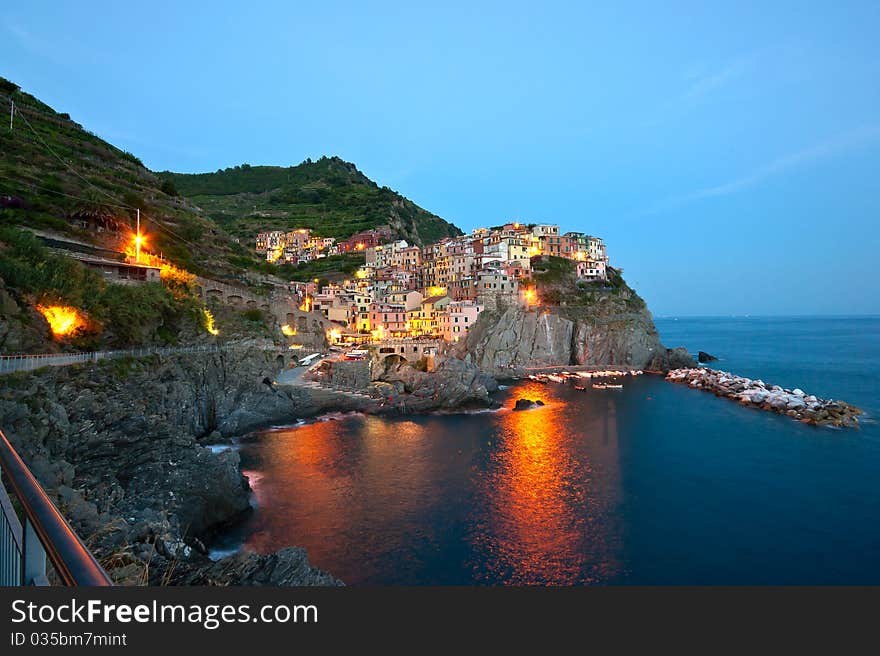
x,y
168,188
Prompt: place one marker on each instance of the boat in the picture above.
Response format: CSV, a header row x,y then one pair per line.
x,y
555,378
537,378
599,385
580,388
609,386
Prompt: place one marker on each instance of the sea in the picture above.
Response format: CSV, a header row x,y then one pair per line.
x,y
652,484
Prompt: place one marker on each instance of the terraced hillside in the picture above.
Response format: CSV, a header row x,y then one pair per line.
x,y
330,196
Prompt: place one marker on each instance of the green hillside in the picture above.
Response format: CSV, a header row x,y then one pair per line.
x,y
51,167
330,196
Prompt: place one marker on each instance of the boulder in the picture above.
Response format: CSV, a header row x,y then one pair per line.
x,y
526,404
702,356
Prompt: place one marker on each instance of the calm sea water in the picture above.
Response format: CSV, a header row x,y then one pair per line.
x,y
655,483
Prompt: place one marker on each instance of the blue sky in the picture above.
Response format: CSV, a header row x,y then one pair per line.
x,y
728,154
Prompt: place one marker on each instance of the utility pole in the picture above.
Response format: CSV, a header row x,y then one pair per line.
x,y
137,239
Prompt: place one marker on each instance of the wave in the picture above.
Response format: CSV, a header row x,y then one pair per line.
x,y
220,448
223,552
339,416
470,411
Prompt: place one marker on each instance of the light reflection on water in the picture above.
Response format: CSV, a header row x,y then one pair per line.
x,y
537,519
655,483
498,497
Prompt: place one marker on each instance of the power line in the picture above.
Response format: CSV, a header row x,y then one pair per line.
x,y
125,207
61,193
98,189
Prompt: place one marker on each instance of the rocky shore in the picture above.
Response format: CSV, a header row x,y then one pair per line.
x,y
795,403
120,447
394,386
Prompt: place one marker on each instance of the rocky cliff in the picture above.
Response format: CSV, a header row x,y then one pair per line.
x,y
398,386
574,324
118,446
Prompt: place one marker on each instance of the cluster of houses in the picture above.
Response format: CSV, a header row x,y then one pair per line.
x,y
438,291
302,245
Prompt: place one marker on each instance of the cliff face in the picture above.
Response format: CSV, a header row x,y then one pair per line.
x,y
502,343
586,325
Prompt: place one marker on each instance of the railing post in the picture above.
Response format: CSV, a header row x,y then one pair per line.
x,y
33,562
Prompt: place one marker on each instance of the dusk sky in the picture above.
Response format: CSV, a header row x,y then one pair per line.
x,y
727,152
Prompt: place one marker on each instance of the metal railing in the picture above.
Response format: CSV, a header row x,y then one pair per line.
x,y
29,362
45,534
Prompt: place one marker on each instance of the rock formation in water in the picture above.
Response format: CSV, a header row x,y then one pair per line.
x,y
575,324
400,386
702,356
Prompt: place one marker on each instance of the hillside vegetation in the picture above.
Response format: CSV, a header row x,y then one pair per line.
x,y
330,196
117,316
557,285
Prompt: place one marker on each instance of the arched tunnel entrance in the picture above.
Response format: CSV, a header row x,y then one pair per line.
x,y
393,361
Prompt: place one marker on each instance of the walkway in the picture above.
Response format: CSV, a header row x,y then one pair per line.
x,y
29,362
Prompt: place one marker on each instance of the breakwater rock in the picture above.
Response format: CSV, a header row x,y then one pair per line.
x,y
795,403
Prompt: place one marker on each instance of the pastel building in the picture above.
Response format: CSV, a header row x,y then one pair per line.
x,y
457,319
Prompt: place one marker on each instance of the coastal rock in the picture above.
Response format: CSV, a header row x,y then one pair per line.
x,y
452,383
527,404
667,359
287,567
613,331
702,356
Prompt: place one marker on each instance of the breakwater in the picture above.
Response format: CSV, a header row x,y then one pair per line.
x,y
794,403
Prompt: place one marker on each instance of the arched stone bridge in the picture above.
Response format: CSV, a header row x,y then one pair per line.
x,y
310,327
411,350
